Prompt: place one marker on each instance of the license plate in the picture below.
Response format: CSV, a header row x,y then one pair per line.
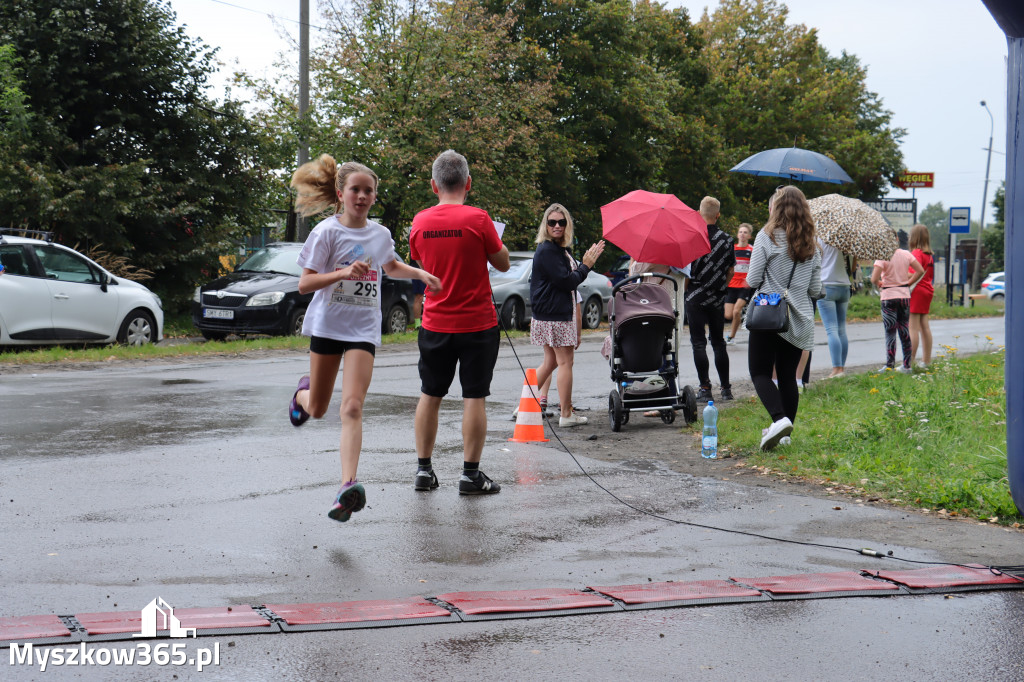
x,y
218,314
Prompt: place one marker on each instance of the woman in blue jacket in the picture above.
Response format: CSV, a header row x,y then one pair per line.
x,y
555,325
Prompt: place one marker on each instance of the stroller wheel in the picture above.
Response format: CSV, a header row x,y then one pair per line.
x,y
689,402
668,416
615,411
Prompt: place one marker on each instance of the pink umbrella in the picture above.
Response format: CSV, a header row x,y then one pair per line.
x,y
656,228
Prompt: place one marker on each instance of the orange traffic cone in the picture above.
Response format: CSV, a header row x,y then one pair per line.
x,y
529,421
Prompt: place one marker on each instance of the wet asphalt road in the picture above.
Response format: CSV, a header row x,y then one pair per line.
x,y
186,481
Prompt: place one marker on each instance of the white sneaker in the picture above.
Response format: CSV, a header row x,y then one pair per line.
x,y
572,420
775,432
905,370
885,368
785,440
730,341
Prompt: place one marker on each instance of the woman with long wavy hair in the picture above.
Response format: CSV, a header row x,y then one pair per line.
x,y
785,259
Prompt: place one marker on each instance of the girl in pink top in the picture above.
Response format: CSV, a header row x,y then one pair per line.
x,y
894,277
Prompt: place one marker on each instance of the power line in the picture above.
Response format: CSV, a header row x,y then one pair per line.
x,y
271,16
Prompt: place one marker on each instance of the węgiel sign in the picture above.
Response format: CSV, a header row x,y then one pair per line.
x,y
911,180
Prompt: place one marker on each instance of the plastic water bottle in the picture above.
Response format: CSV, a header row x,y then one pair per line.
x,y
709,443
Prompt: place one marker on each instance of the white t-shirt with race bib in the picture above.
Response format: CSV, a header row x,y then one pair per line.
x,y
349,310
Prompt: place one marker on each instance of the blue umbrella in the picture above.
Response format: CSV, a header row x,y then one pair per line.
x,y
794,163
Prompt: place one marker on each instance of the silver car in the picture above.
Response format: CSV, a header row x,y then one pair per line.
x,y
511,292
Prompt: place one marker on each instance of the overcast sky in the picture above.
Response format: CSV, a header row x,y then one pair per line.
x,y
931,61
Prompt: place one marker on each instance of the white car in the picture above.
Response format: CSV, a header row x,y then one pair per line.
x,y
994,286
50,294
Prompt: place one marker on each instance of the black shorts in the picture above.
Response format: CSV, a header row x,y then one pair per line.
x,y
323,346
474,352
733,294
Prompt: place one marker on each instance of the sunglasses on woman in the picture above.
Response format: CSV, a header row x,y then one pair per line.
x,y
561,223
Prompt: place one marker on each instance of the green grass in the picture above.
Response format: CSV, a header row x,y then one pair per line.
x,y
51,354
932,440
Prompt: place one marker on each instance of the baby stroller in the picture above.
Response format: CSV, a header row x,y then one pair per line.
x,y
644,351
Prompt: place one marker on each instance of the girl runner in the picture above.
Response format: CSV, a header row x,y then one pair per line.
x,y
738,292
342,261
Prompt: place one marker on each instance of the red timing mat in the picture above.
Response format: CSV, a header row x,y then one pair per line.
x,y
217,617
520,601
810,583
32,627
358,611
647,593
948,576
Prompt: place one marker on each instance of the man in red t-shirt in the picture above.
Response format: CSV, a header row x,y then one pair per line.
x,y
455,243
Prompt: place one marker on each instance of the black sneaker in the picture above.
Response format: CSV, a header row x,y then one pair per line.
x,y
727,394
478,485
704,395
425,480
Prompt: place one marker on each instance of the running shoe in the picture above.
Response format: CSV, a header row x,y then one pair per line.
x,y
296,414
351,498
704,395
477,485
775,433
425,479
727,394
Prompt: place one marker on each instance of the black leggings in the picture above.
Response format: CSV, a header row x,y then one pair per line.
x,y
768,351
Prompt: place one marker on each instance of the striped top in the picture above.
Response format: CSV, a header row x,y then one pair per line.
x,y
769,270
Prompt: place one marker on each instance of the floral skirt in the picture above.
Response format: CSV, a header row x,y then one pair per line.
x,y
555,333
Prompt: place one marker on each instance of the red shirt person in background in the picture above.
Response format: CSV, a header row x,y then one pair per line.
x,y
455,243
921,296
738,294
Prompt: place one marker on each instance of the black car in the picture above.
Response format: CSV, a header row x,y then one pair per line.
x,y
262,297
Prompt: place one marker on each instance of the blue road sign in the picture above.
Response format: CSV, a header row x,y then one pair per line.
x,y
960,220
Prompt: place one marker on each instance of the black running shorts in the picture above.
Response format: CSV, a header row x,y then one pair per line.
x,y
733,294
474,352
324,346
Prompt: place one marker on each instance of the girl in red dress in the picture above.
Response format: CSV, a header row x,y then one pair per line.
x,y
921,296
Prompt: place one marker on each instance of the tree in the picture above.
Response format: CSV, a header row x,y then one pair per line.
x,y
123,148
773,85
993,237
936,218
404,81
628,102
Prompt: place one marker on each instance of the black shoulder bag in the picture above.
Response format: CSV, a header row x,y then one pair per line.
x,y
770,312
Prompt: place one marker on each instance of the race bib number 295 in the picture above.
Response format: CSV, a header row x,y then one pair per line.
x,y
364,291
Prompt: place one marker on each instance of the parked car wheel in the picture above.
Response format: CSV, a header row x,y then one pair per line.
x,y
397,320
213,336
997,297
512,314
138,329
295,322
592,312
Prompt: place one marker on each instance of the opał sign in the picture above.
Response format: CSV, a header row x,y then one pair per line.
x,y
899,213
912,180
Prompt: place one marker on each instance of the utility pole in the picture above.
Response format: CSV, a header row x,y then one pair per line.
x,y
976,277
303,156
